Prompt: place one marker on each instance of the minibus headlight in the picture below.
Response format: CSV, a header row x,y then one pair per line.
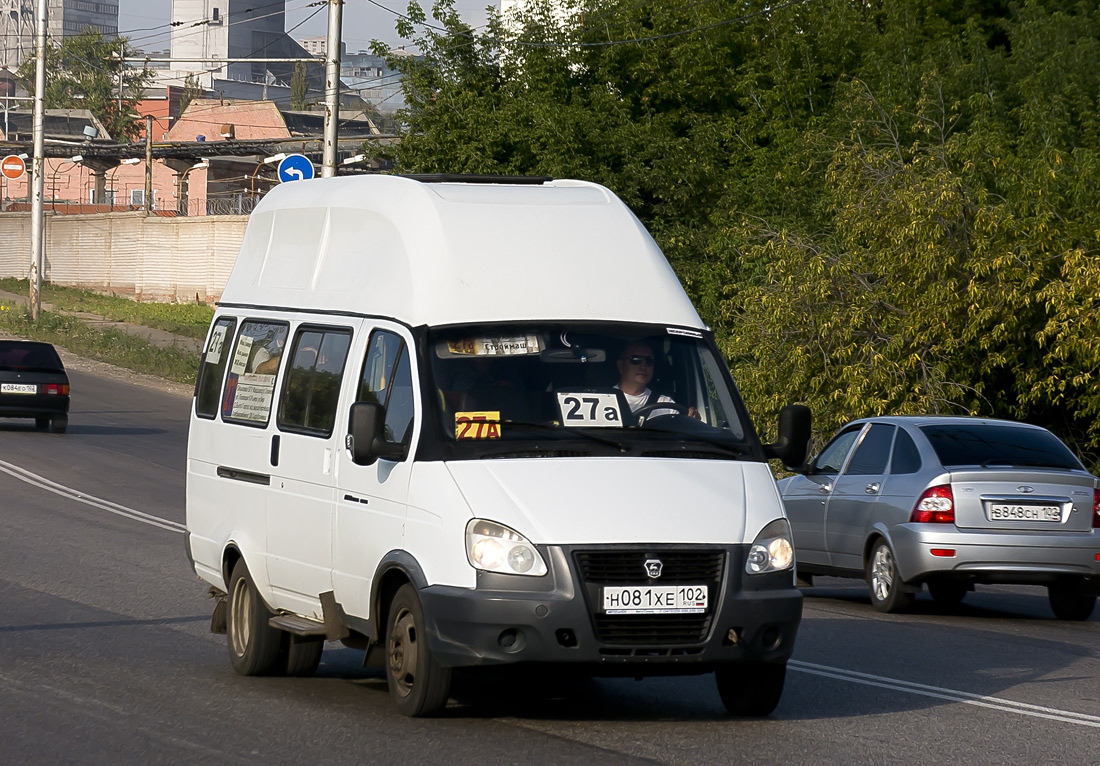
x,y
494,547
772,551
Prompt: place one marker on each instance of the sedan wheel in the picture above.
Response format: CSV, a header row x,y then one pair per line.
x,y
887,591
947,592
1070,601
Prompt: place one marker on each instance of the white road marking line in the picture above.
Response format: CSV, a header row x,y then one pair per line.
x,y
952,695
105,505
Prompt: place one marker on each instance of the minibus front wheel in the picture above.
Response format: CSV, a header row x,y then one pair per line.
x,y
417,683
751,689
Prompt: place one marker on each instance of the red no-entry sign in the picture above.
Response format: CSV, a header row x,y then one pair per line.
x,y
13,167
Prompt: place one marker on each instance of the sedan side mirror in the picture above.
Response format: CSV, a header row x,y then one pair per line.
x,y
794,436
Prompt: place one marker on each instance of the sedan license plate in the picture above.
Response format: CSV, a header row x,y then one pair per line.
x,y
18,388
656,599
1018,512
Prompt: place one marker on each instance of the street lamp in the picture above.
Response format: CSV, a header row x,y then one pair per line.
x,y
181,190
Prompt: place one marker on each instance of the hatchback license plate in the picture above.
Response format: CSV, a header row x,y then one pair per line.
x,y
656,599
18,388
1015,512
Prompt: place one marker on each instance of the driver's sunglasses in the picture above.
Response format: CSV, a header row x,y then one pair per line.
x,y
639,359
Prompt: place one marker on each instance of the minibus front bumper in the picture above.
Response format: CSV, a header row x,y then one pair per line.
x,y
558,618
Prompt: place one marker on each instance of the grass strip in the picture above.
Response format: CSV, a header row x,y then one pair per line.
x,y
188,319
106,345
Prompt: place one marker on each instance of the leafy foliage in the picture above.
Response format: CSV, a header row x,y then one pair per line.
x,y
86,71
191,90
299,87
879,207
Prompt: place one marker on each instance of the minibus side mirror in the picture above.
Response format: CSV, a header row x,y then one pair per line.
x,y
794,436
365,438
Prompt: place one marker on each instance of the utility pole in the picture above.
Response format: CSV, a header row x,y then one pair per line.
x,y
38,239
332,88
148,163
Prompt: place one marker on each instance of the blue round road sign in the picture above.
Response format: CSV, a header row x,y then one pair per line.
x,y
295,167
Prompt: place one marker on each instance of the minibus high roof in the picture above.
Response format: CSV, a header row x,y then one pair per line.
x,y
451,252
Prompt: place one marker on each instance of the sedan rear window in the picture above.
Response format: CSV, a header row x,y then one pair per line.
x,y
998,445
32,357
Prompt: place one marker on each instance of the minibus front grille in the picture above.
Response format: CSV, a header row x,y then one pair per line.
x,y
630,566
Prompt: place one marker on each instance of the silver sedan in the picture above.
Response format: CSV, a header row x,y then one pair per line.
x,y
948,502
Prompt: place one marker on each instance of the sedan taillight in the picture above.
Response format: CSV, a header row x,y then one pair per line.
x,y
1096,509
936,505
56,388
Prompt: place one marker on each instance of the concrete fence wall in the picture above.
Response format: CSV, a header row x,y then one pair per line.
x,y
149,258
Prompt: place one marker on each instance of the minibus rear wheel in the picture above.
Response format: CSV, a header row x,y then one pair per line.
x,y
417,683
253,644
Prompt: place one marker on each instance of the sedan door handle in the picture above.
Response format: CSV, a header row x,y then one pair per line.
x,y
872,488
825,489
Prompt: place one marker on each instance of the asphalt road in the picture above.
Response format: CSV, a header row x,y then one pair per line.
x,y
106,654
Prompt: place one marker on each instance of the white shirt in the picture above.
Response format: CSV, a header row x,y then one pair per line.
x,y
636,402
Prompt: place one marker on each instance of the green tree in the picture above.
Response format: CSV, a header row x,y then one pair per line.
x,y
878,207
299,87
87,71
191,90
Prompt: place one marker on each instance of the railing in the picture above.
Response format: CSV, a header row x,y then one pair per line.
x,y
236,204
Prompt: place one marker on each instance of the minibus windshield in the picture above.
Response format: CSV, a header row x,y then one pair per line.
x,y
579,389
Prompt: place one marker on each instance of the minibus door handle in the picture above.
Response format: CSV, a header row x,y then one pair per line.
x,y
275,449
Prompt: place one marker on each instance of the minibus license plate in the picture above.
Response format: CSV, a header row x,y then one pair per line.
x,y
18,388
1015,512
657,599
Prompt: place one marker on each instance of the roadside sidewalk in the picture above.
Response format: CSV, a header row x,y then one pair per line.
x,y
159,338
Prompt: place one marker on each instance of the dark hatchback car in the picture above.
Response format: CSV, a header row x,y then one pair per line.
x,y
33,384
942,502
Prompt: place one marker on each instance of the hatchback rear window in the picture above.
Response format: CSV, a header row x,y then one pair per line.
x,y
38,357
998,445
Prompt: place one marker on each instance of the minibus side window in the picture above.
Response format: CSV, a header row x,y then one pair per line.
x,y
213,366
250,384
311,386
387,379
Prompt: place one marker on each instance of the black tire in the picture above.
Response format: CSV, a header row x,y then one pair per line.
x,y
254,646
301,656
1070,600
751,689
59,423
884,582
418,684
948,592
42,423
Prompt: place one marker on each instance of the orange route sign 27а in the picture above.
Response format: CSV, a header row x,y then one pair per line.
x,y
13,167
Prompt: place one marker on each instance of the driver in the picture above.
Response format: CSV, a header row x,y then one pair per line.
x,y
635,365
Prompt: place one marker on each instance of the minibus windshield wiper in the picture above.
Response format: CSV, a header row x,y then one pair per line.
x,y
734,449
587,434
